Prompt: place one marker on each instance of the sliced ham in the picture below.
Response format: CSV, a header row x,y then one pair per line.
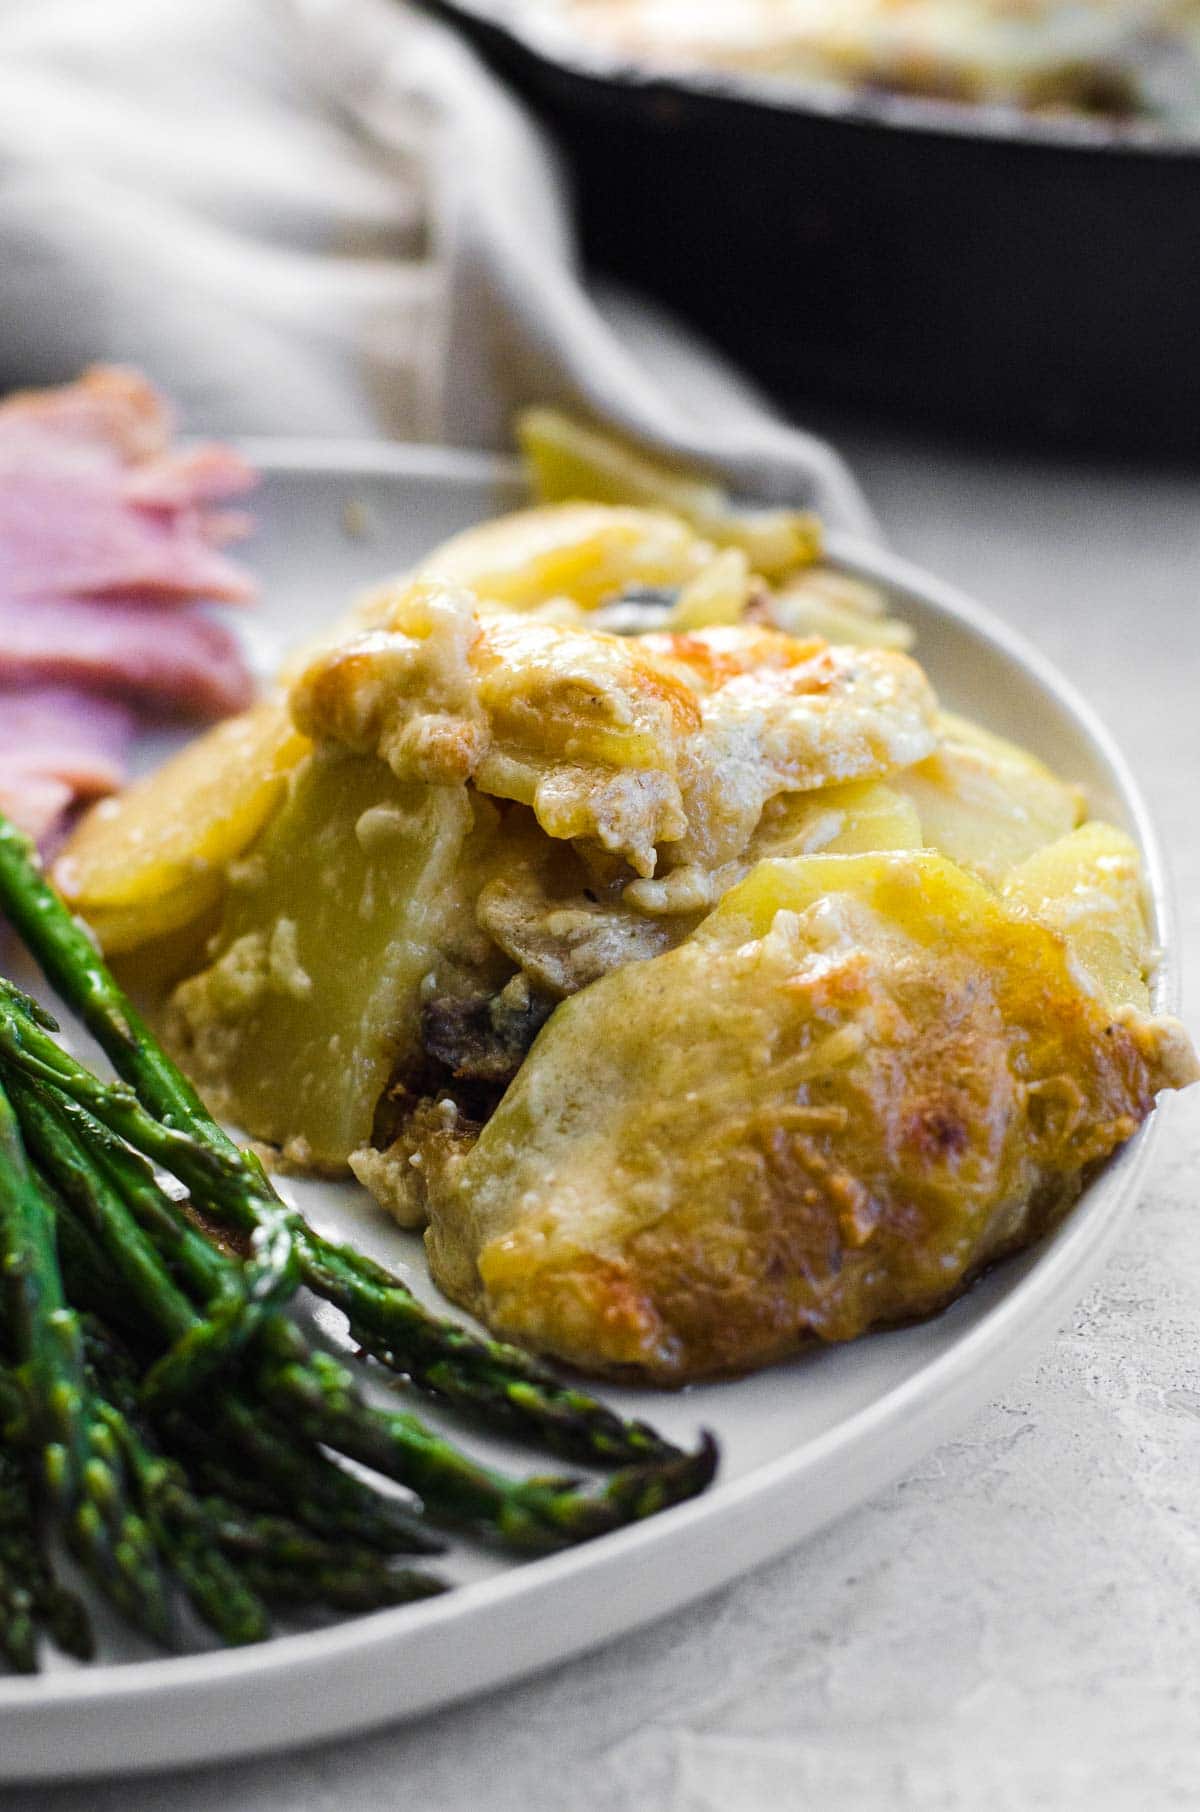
x,y
109,416
95,500
58,744
108,534
163,659
74,532
178,481
76,736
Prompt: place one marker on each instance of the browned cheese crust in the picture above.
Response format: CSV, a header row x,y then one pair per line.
x,y
860,1081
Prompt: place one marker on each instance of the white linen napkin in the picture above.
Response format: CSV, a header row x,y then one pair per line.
x,y
325,217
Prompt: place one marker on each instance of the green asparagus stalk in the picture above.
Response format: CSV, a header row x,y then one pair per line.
x,y
103,1195
243,1451
281,1469
485,1378
532,1514
32,1600
187,1541
289,1565
341,1585
64,949
213,1546
87,1166
31,1596
249,1459
18,1541
478,1375
81,1467
318,1396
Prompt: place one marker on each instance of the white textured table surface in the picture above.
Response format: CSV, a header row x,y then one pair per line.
x,y
1016,1624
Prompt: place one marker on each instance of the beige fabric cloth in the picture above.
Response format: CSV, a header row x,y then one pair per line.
x,y
324,217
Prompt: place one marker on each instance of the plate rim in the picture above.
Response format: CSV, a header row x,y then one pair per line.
x,y
941,1390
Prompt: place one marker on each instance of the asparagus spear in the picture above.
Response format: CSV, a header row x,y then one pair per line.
x,y
64,948
317,1394
485,1376
81,1465
202,1347
185,1537
243,1451
174,1524
102,1182
532,1514
253,1463
343,1586
222,1556
31,1598
246,1456
289,1565
18,1541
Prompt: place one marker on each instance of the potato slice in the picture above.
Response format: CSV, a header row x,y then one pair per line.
x,y
1089,886
150,968
861,1079
840,820
313,996
153,858
587,552
860,816
121,929
986,802
825,602
568,460
717,595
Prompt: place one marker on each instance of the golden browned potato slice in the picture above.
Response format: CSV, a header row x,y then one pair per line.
x,y
568,460
985,802
1089,886
353,896
587,552
860,1080
635,743
583,727
153,860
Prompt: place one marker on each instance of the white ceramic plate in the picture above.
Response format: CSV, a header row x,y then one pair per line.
x,y
800,1443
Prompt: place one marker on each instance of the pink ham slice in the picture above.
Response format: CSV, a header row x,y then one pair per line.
x,y
113,420
58,744
109,416
94,500
179,481
163,659
74,532
107,532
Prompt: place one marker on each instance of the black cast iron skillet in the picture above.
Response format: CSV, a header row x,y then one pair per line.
x,y
1031,279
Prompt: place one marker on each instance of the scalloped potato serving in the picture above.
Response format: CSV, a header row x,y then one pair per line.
x,y
613,897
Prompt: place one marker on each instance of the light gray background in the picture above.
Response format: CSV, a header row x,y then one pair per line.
x,y
1016,1624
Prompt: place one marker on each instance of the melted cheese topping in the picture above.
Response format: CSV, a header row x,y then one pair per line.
x,y
859,1080
659,746
759,1002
